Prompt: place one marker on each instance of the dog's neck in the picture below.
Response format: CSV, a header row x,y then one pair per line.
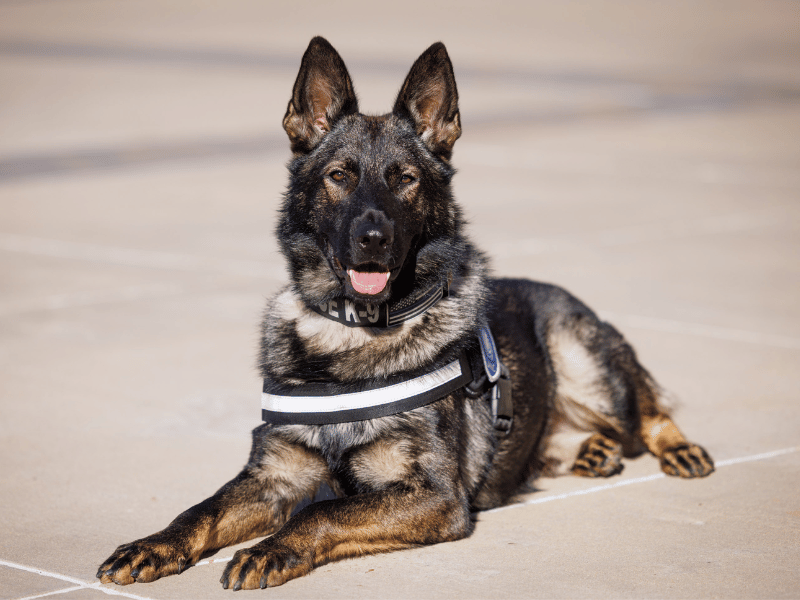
x,y
364,314
299,344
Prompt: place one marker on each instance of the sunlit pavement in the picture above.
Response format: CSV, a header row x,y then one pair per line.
x,y
643,155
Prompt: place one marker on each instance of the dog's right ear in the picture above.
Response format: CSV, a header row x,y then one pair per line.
x,y
430,100
322,94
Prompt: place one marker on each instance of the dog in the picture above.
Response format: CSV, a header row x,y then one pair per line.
x,y
397,372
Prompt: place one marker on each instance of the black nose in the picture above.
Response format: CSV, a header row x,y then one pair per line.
x,y
372,235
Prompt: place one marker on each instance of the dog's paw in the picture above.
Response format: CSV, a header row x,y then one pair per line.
x,y
142,561
686,460
267,564
599,456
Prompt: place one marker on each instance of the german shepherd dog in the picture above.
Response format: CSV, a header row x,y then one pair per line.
x,y
387,293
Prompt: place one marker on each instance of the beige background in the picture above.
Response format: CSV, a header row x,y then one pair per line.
x,y
643,154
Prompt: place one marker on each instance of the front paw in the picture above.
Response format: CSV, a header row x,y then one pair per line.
x,y
267,564
686,460
142,561
599,457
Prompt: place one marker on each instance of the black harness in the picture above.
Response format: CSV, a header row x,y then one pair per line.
x,y
327,403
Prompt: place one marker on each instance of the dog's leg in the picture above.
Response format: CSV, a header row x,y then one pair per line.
x,y
599,456
412,495
345,528
677,455
601,386
658,432
255,503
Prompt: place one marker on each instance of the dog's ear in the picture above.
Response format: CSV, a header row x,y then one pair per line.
x,y
430,100
322,94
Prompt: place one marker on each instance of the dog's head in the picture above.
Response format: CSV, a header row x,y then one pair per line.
x,y
369,214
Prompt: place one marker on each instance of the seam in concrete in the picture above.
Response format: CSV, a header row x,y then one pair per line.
x,y
79,583
55,593
624,482
42,572
762,456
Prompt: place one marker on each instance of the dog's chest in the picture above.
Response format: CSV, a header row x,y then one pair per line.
x,y
300,341
369,452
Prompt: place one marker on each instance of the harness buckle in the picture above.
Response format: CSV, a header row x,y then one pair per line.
x,y
502,404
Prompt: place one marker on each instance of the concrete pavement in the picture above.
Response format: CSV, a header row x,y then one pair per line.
x,y
643,155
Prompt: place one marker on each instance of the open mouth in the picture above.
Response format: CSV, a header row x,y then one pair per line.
x,y
368,283
365,280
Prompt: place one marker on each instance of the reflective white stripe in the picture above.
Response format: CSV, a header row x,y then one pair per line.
x,y
365,399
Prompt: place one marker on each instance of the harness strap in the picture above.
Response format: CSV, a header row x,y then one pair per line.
x,y
322,404
494,385
328,403
502,403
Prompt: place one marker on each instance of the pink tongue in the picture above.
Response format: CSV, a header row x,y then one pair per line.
x,y
368,283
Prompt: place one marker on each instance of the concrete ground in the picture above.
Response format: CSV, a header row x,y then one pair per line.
x,y
644,155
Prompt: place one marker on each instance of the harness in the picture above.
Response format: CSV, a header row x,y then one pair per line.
x,y
327,403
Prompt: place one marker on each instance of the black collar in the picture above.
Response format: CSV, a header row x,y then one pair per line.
x,y
356,314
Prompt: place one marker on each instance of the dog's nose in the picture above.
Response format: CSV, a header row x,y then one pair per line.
x,y
372,234
374,240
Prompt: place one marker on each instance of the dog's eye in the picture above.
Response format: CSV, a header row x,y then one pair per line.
x,y
405,178
337,175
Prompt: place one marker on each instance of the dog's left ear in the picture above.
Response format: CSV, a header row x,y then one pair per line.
x,y
323,93
430,100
